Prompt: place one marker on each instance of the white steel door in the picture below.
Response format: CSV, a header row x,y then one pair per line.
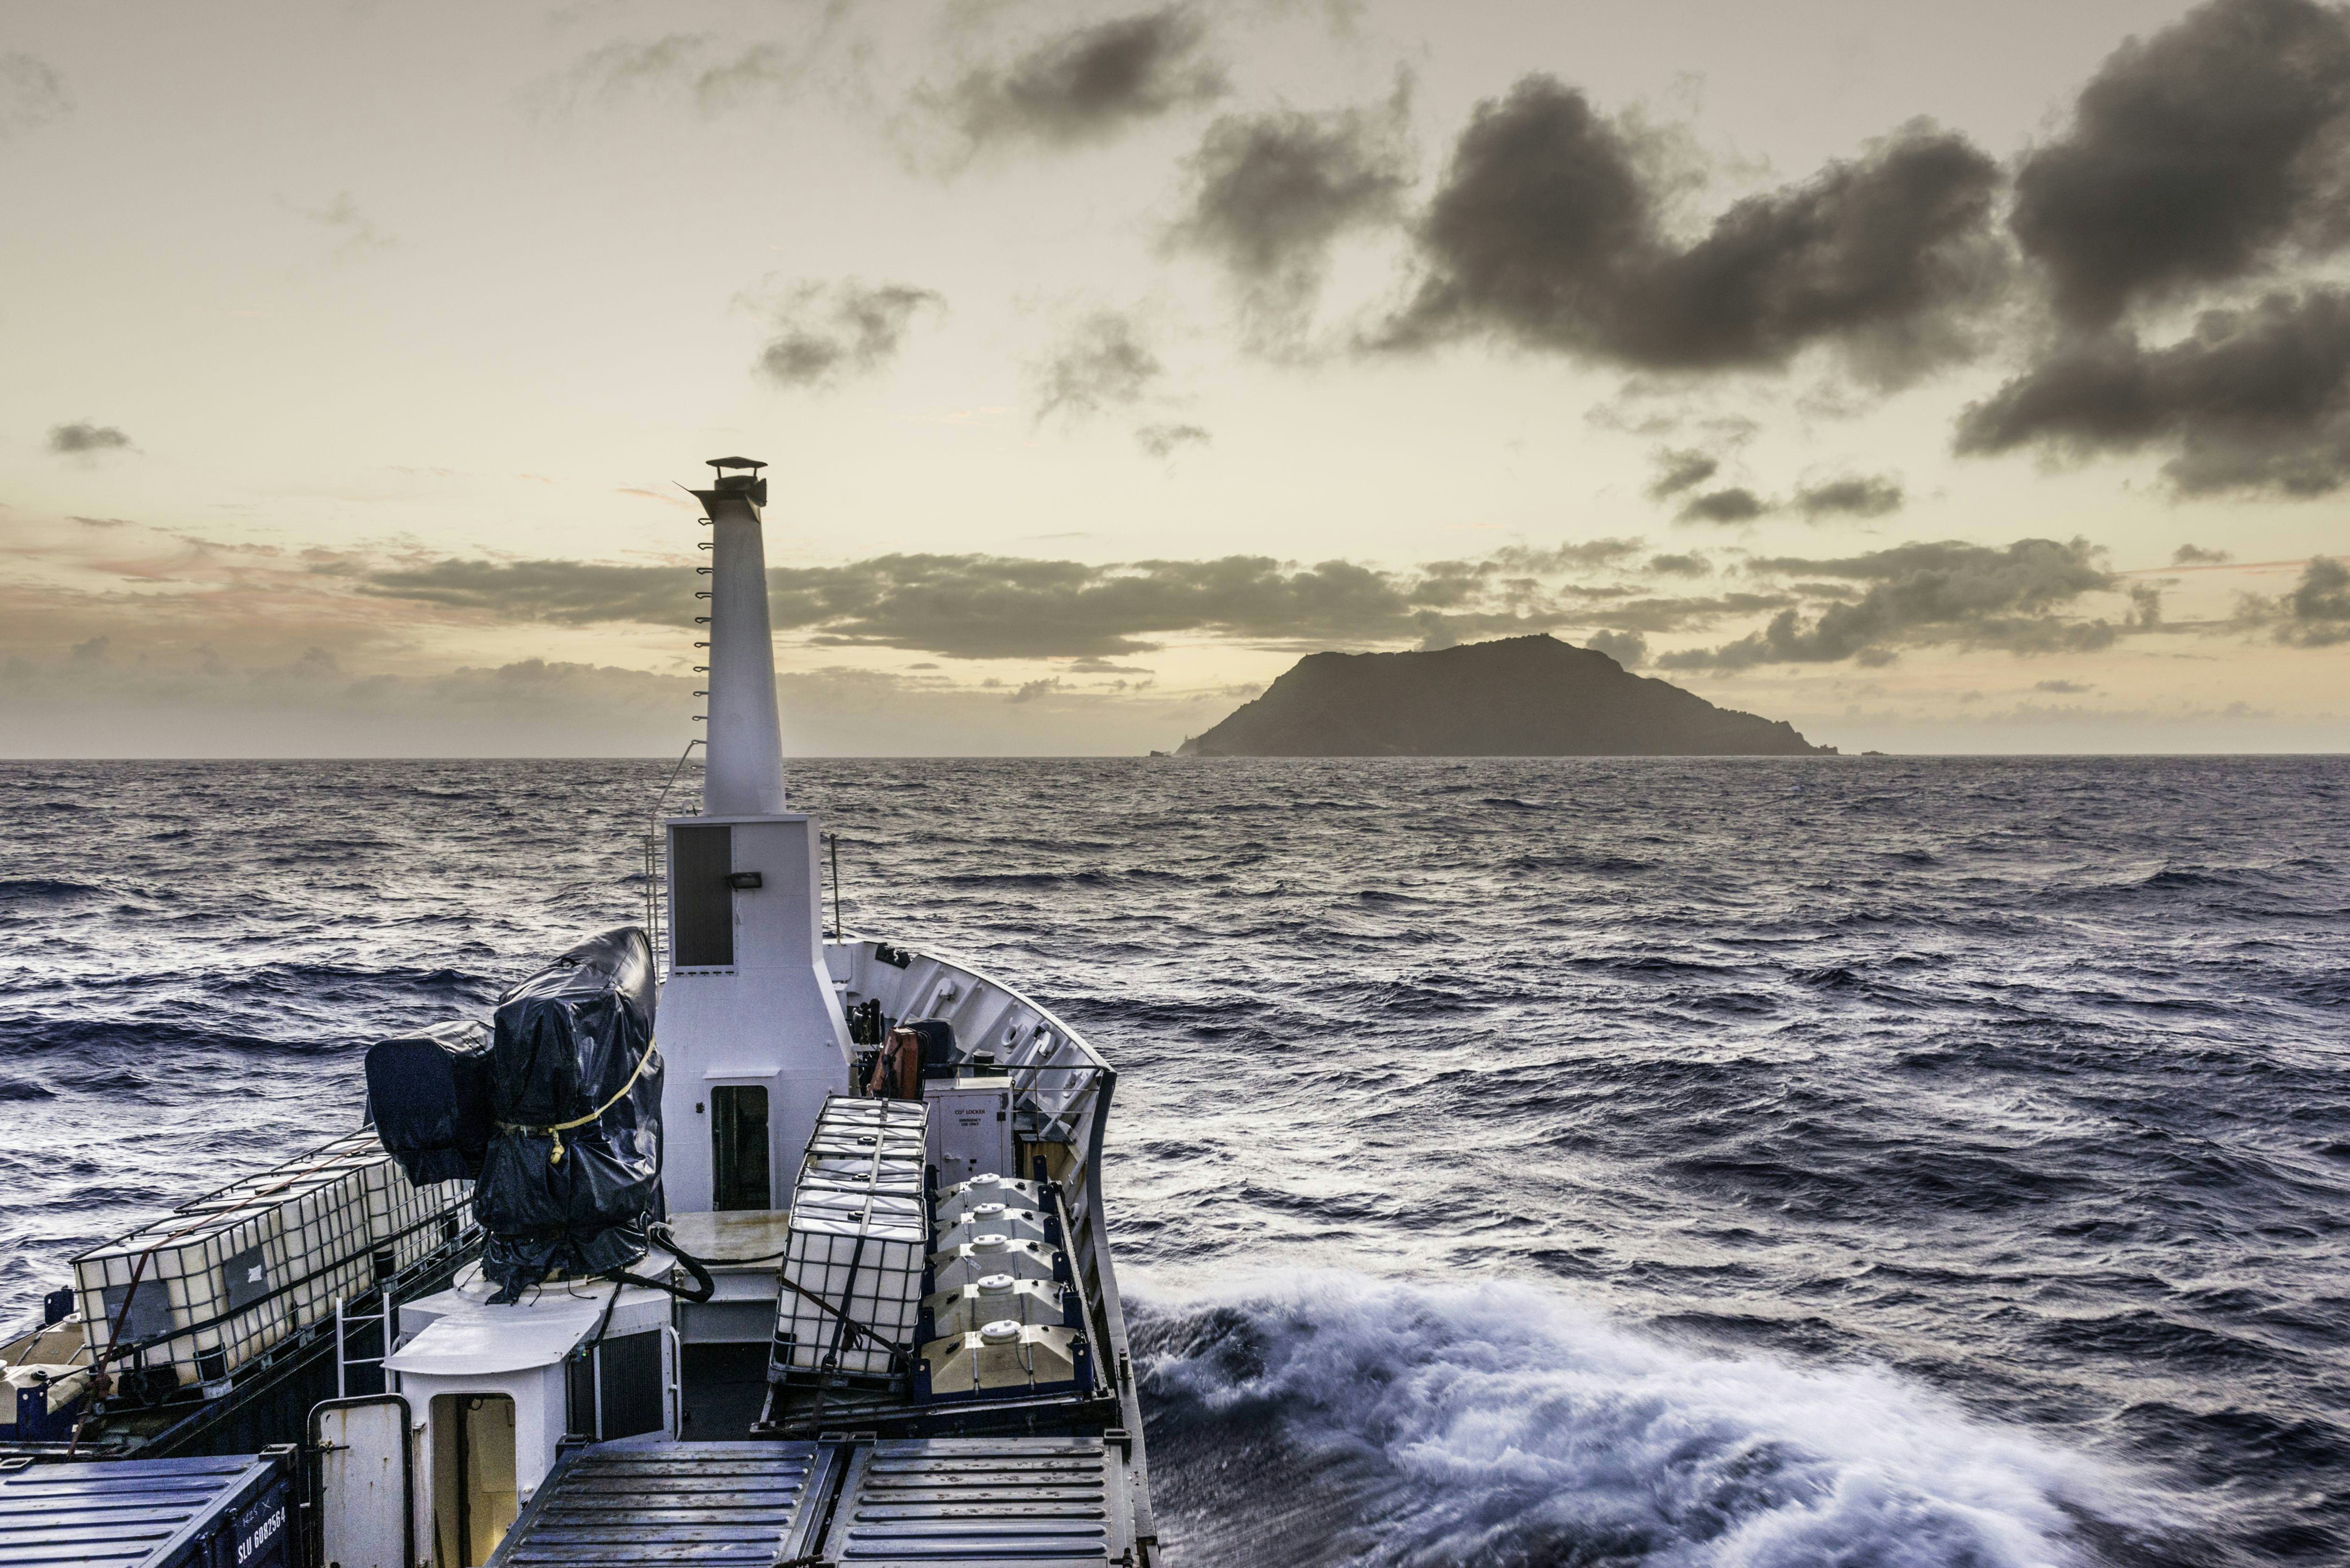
x,y
364,1481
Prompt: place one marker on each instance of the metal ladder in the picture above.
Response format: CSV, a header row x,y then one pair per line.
x,y
344,1360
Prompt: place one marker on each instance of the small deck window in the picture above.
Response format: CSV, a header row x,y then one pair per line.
x,y
702,932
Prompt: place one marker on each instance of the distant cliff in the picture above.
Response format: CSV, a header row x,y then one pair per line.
x,y
1525,697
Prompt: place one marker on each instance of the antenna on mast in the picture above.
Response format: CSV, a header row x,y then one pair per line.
x,y
749,483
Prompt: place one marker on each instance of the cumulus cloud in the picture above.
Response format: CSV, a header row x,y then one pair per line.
x,y
1103,363
1165,441
2316,614
2254,401
1090,84
1870,495
826,331
32,94
1548,231
2009,597
1737,505
1030,690
1691,565
1628,648
2195,157
1679,469
2196,555
85,437
1270,194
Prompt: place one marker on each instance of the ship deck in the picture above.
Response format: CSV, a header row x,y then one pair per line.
x,y
1001,1502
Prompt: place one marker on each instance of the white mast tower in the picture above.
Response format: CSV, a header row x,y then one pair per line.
x,y
749,1024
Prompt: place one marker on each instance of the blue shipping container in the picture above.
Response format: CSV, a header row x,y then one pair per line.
x,y
234,1513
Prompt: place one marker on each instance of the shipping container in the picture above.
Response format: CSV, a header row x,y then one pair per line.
x,y
230,1512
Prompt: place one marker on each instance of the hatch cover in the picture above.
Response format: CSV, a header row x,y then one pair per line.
x,y
984,1502
651,1500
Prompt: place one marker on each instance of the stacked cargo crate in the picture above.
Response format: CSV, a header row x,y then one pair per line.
x,y
231,1273
206,1274
859,1232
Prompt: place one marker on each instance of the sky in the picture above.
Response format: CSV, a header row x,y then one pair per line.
x,y
1936,378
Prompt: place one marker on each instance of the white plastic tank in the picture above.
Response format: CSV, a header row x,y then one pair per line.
x,y
1000,1356
993,1219
992,1298
956,1201
994,1253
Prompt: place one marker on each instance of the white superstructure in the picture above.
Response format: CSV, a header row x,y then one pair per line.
x,y
750,1024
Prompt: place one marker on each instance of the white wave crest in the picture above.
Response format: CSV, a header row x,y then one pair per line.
x,y
1499,1424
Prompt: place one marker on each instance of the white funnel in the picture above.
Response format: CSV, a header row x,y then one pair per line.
x,y
743,773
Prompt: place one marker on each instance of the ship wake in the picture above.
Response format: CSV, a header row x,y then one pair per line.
x,y
1341,1420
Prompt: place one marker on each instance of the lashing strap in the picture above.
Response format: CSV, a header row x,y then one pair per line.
x,y
554,1155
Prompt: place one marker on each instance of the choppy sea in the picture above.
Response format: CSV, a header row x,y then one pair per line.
x,y
1927,1163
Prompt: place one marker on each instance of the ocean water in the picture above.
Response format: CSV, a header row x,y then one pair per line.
x,y
1932,1163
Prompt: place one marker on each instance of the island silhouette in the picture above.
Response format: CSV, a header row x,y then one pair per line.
x,y
1519,697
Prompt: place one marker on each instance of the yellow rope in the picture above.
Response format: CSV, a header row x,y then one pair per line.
x,y
554,1155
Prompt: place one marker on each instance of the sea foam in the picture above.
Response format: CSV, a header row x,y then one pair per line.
x,y
1387,1423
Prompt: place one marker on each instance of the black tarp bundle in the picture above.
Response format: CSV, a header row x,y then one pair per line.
x,y
429,1097
571,1041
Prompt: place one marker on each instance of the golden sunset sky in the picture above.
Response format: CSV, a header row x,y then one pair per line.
x,y
1952,378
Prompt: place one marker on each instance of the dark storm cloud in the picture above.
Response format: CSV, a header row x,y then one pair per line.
x,y
1976,595
827,330
1546,232
1872,495
1092,83
1734,505
2254,401
1268,194
1679,469
84,436
2195,157
31,93
2316,614
1102,364
1165,441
